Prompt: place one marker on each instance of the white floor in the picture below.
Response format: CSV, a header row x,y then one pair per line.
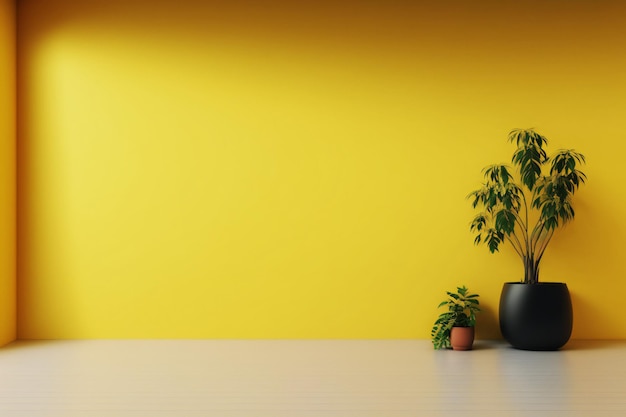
x,y
276,378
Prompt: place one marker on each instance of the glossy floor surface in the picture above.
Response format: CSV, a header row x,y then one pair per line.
x,y
276,378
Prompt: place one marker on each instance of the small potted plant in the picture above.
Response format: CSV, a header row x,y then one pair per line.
x,y
455,328
525,209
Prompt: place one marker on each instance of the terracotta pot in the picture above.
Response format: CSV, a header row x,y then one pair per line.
x,y
462,338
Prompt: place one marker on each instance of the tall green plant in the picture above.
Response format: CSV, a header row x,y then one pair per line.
x,y
526,210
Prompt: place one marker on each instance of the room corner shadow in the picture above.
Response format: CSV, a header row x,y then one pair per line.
x,y
22,344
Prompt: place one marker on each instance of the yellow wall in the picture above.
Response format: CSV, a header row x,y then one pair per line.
x,y
7,172
232,170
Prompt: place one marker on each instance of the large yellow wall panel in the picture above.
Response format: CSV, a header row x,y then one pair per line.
x,y
298,169
7,172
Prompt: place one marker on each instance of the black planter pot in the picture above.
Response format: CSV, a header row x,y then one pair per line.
x,y
536,316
